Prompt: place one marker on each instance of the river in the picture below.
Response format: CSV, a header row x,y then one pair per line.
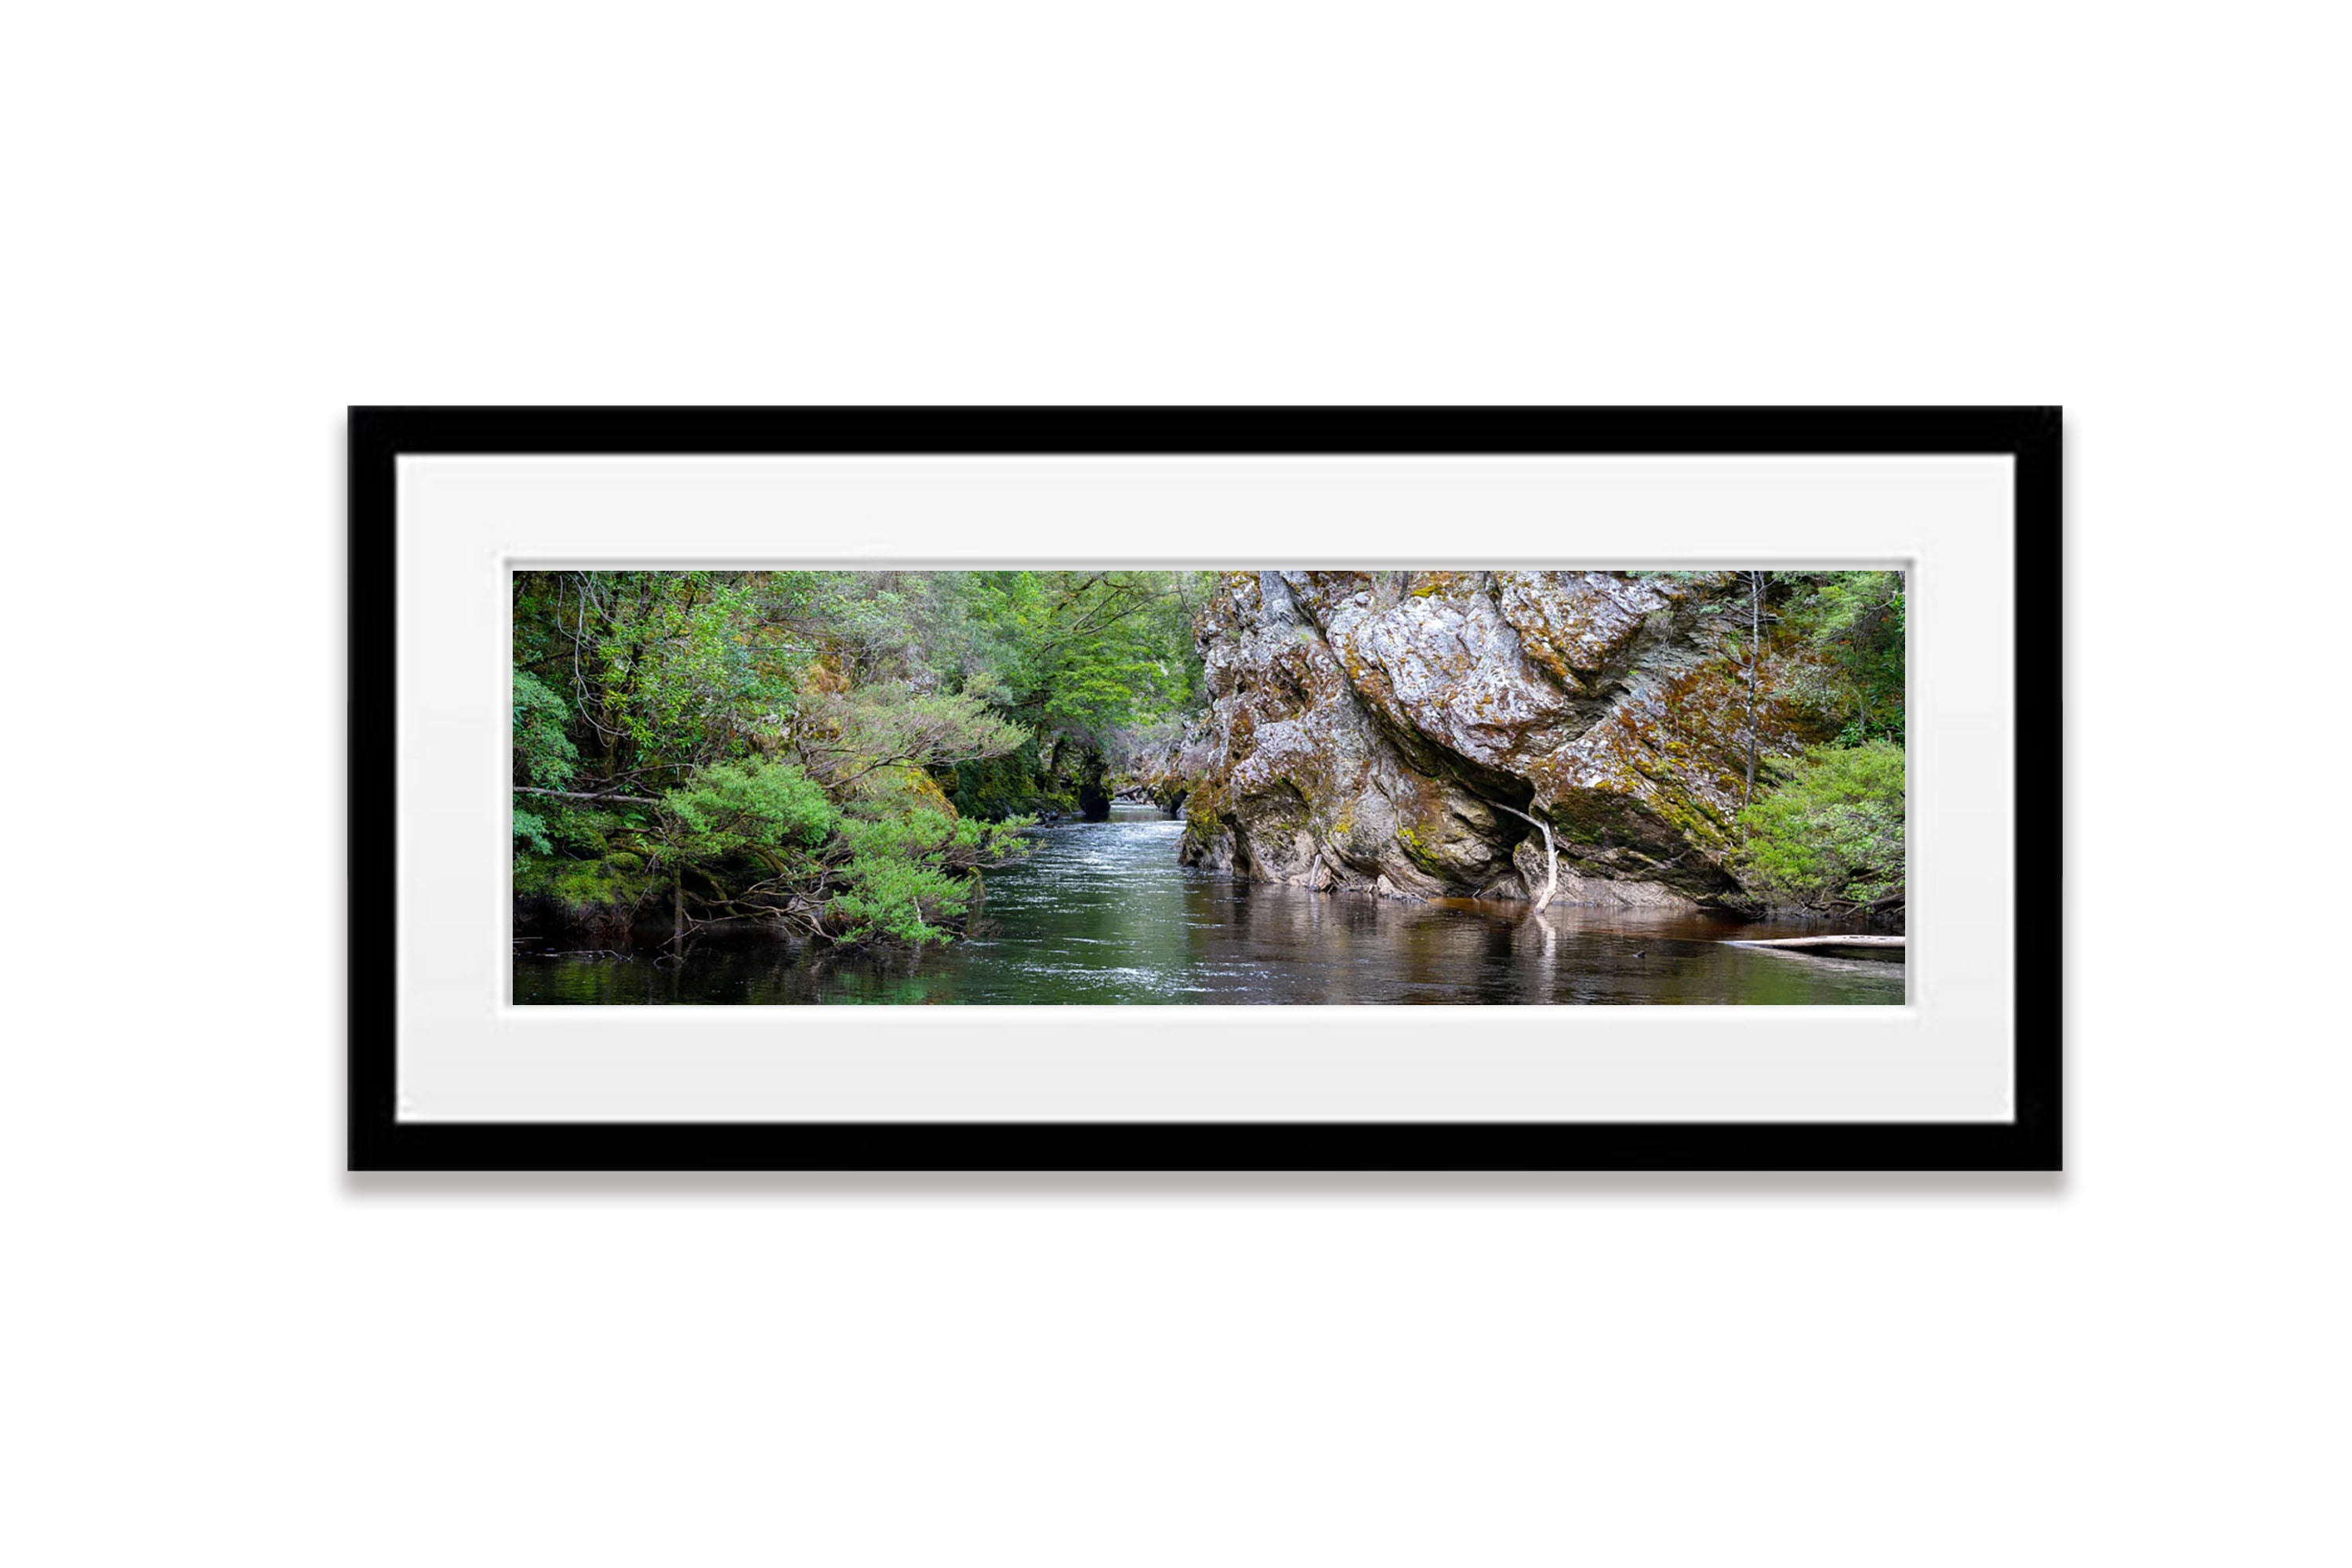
x,y
1102,913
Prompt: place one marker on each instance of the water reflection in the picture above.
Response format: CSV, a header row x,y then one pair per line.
x,y
1102,913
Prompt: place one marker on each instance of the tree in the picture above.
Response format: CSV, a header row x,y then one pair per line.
x,y
1756,583
849,737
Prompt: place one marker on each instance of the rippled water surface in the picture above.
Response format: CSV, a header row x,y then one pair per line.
x,y
1101,913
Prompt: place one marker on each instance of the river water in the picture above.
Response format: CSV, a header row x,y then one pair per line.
x,y
1102,913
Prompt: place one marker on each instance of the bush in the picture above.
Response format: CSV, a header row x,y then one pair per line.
x,y
896,886
910,877
728,807
1831,837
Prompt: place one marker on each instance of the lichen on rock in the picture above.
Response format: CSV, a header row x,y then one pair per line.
x,y
1363,728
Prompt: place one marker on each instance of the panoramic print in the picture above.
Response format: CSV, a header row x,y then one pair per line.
x,y
1156,787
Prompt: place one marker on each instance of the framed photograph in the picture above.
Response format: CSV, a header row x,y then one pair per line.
x,y
1205,789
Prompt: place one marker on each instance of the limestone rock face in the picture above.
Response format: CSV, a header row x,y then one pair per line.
x,y
1363,727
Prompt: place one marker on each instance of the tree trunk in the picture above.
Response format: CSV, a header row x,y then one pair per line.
x,y
1754,657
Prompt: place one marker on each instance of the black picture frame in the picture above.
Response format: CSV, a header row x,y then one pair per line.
x,y
380,1141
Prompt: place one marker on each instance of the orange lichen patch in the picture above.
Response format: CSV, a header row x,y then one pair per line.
x,y
1450,584
1318,592
1577,626
905,788
825,676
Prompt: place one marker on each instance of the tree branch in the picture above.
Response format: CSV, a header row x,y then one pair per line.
x,y
1552,854
575,795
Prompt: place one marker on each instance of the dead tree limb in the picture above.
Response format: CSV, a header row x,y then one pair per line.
x,y
575,795
1552,854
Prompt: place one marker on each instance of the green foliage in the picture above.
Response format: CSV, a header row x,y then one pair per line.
x,y
909,874
896,888
1854,620
581,889
854,739
665,667
1013,785
729,807
1830,838
762,746
530,827
544,756
1081,656
663,672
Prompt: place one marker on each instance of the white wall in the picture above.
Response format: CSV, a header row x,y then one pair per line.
x,y
227,222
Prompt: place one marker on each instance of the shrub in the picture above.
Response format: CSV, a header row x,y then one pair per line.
x,y
728,807
544,756
1831,837
896,886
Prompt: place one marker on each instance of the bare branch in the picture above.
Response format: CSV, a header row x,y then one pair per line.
x,y
1552,853
575,795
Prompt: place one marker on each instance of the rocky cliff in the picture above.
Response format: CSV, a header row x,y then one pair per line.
x,y
1365,729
